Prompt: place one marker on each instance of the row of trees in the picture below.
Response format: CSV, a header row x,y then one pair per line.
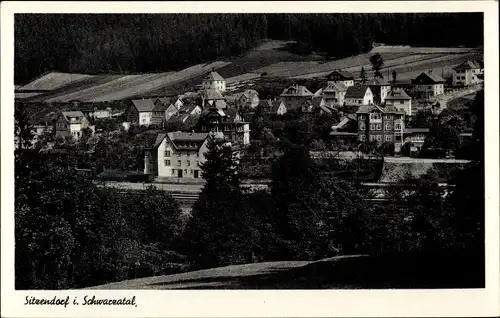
x,y
90,43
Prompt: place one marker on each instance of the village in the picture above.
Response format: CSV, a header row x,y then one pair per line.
x,y
247,151
382,113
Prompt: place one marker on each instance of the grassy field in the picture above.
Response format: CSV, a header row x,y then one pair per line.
x,y
53,80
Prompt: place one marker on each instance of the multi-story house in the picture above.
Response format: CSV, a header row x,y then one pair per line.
x,y
333,94
381,124
341,77
296,94
428,85
72,123
399,99
184,114
227,121
467,73
380,88
358,95
177,155
214,81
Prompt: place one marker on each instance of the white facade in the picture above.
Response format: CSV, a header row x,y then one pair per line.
x,y
466,77
400,104
367,99
384,90
430,89
145,118
171,161
213,84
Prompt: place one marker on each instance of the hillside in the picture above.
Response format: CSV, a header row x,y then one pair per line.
x,y
271,59
393,270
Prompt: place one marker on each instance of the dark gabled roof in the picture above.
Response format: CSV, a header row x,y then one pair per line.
x,y
397,94
187,108
73,114
468,65
179,139
357,91
144,105
213,76
346,75
431,77
366,109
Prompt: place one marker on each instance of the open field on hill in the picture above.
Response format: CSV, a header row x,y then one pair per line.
x,y
270,59
52,81
75,86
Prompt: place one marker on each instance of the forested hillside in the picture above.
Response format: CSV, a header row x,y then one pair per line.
x,y
147,43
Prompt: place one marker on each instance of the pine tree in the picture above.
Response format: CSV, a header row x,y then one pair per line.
x,y
377,63
217,233
394,76
363,75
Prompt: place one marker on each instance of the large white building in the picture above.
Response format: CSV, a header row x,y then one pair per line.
x,y
399,99
72,123
176,155
214,81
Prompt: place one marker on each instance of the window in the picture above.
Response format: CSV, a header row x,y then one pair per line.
x,y
362,137
401,102
388,127
372,126
188,163
167,153
375,116
178,163
197,162
191,171
379,126
362,126
362,117
388,138
167,163
397,126
388,116
379,137
185,171
173,171
372,137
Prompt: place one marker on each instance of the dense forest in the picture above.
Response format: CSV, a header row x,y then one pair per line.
x,y
95,43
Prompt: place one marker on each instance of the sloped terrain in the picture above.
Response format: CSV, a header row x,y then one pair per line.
x,y
270,59
390,270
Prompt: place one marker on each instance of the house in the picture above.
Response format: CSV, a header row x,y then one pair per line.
x,y
467,73
399,99
333,94
381,124
72,123
358,95
228,121
248,99
296,93
269,107
167,101
341,77
380,88
415,137
176,154
428,85
140,112
184,114
92,111
214,81
209,96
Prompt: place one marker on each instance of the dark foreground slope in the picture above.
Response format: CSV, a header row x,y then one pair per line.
x,y
399,271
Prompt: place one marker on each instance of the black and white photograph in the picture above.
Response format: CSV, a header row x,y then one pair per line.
x,y
249,151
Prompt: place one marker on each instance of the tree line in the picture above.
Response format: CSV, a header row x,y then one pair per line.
x,y
95,43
